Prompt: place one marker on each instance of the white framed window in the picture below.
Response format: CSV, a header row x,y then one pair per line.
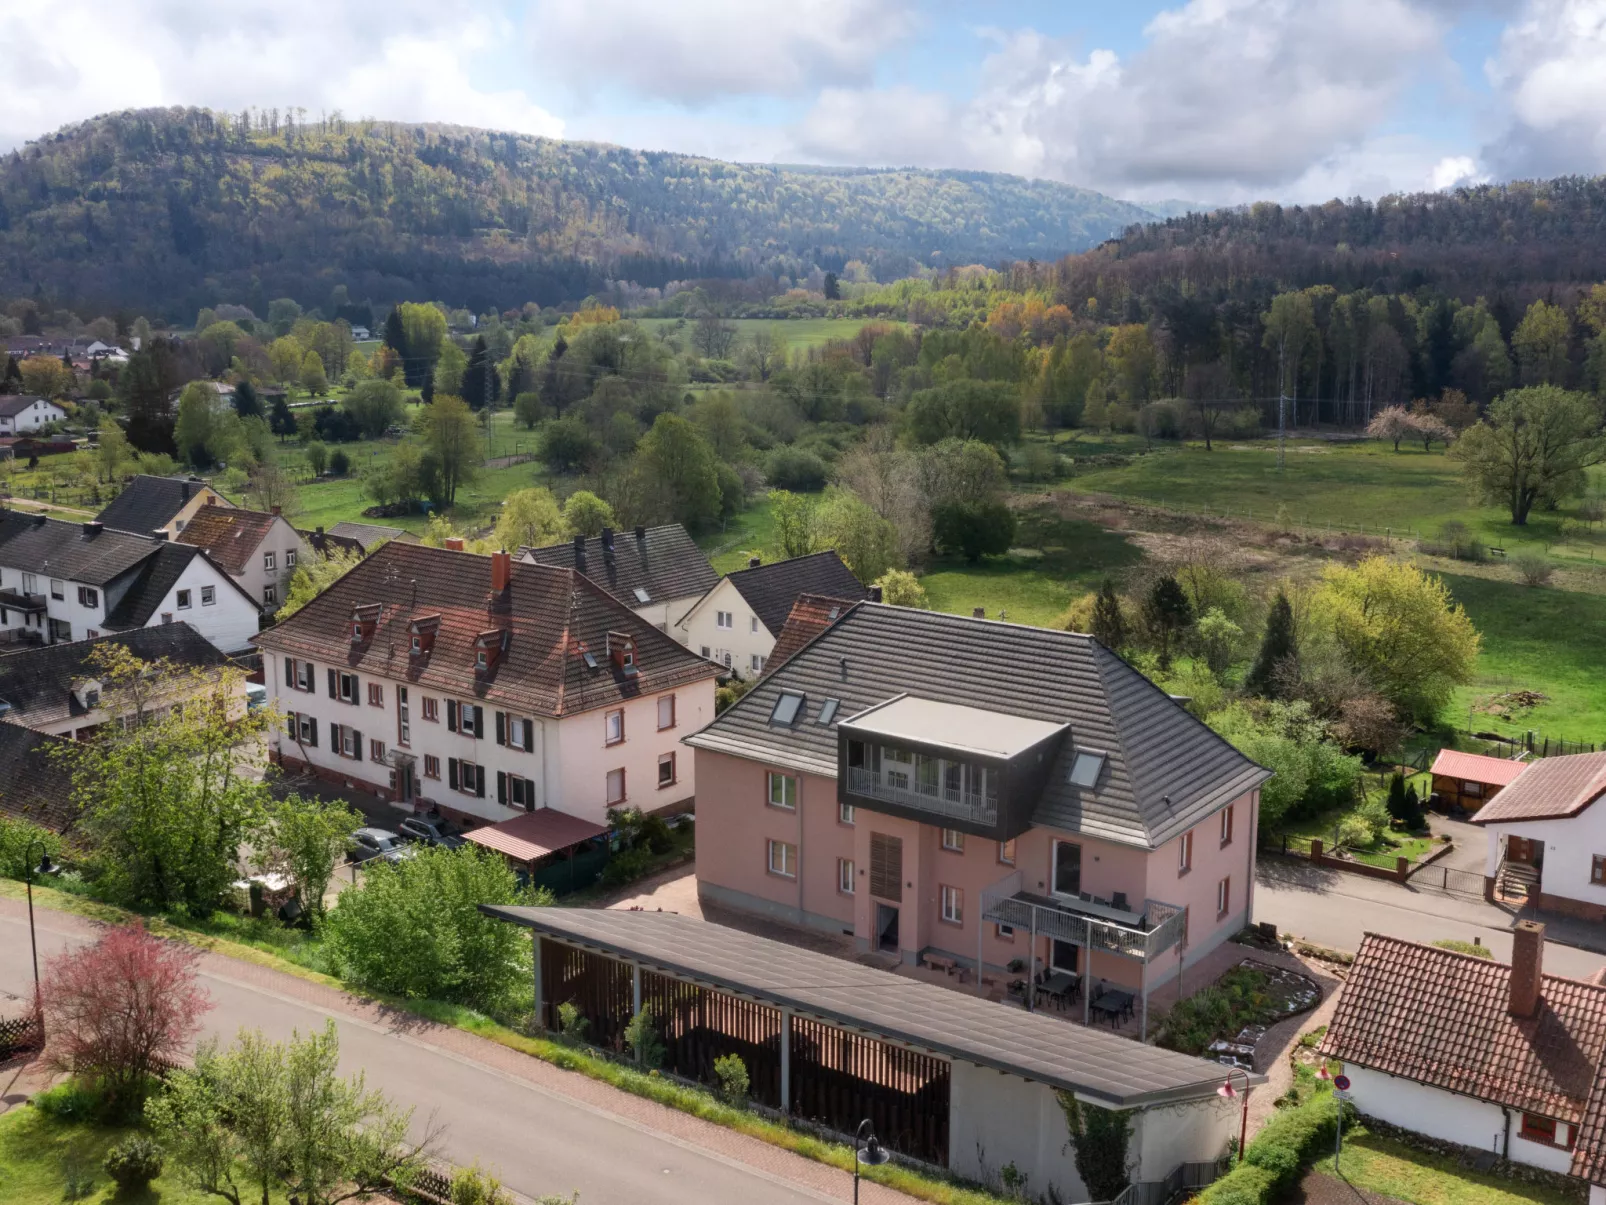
x,y
615,727
208,595
845,813
707,653
783,859
1006,852
1224,896
756,663
349,737
844,875
307,729
1226,824
953,840
376,694
616,786
183,600
347,687
404,717
953,905
1004,932
783,790
753,625
432,766
303,675
270,562
666,712
30,583
270,595
290,559
58,589
722,619
88,596
520,733
376,750
666,769
1185,853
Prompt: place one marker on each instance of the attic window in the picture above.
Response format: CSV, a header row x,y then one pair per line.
x,y
642,596
480,659
588,658
786,708
418,644
835,611
828,711
1086,768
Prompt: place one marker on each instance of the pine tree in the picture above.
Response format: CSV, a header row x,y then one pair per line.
x,y
1109,622
833,291
1276,647
246,401
12,382
427,389
1396,799
1414,818
282,422
396,333
481,381
1166,613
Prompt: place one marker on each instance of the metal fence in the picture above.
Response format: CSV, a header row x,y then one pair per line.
x,y
1448,878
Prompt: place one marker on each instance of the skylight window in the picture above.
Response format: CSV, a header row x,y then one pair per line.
x,y
591,661
786,708
642,596
828,710
1086,768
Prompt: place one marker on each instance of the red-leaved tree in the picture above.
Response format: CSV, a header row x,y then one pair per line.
x,y
114,1010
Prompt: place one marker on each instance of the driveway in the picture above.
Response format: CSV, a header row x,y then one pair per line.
x,y
541,1129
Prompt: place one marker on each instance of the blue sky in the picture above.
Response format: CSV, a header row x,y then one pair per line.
x,y
1214,101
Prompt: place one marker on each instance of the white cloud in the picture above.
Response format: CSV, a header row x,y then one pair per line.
x,y
70,61
695,50
1550,72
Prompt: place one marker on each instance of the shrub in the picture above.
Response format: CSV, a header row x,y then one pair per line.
x,y
1246,1184
1354,832
572,1025
1476,949
626,866
641,1036
78,1177
794,469
655,834
974,529
476,1186
339,462
134,1162
70,1100
733,1079
1294,1138
1533,568
1237,999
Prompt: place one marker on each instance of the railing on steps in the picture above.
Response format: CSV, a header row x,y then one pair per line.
x,y
1185,1179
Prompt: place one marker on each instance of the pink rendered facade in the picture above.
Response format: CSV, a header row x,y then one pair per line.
x,y
939,906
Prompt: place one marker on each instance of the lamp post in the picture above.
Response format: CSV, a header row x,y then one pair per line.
x,y
1228,1092
33,941
867,1150
1340,1085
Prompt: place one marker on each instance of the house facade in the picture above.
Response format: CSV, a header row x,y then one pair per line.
x,y
658,572
739,620
20,414
1502,1059
951,787
149,505
1546,836
260,550
485,688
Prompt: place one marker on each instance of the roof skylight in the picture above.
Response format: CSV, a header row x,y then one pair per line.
x,y
590,660
786,708
828,711
642,596
1086,768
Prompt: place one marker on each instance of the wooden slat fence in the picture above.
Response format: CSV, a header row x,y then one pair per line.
x,y
20,1035
698,1025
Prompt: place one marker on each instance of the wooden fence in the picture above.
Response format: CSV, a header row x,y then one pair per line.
x,y
20,1035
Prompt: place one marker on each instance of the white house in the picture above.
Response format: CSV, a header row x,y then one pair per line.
x,y
76,581
737,622
658,572
1501,1059
21,413
1547,836
260,550
485,688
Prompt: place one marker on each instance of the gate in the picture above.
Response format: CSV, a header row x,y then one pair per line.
x,y
1448,878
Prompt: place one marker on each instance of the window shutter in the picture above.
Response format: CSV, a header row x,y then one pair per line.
x,y
358,738
529,734
312,734
501,728
356,692
501,783
451,772
334,739
479,725
886,866
334,688
451,715
479,781
290,723
289,672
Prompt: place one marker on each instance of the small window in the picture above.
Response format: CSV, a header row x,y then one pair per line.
x,y
58,588
88,596
290,560
845,813
1223,896
616,786
844,875
786,708
270,594
666,769
183,600
782,790
432,766
1085,769
828,711
376,694
1185,853
167,617
589,659
1597,869
417,645
1226,825
953,840
480,661
641,595
953,905
1548,1131
615,727
1472,790
707,653
666,712
755,663
783,859
270,562
208,595
1006,852
349,737
753,625
722,619
376,750
1004,932
432,709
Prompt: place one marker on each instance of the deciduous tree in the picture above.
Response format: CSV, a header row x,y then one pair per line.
x,y
1534,444
973,529
530,517
585,514
304,840
447,428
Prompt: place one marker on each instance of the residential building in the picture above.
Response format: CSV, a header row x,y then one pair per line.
x,y
38,782
485,687
258,549
1501,1059
1469,780
658,572
737,622
21,413
75,581
1547,836
949,786
368,536
148,505
56,688
811,614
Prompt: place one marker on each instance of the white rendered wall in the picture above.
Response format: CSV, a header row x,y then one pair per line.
x,y
1431,1111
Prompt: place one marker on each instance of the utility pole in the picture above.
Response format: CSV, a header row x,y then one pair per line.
x,y
1282,397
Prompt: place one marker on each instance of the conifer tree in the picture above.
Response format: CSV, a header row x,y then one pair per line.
x,y
1109,622
1276,647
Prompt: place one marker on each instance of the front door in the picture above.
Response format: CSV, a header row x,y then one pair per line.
x,y
1522,850
886,928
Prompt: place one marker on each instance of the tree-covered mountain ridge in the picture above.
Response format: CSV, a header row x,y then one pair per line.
x,y
164,208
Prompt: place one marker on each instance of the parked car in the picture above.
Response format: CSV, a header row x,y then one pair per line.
x,y
433,829
370,843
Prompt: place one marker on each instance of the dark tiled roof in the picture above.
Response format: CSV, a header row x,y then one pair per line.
x,y
147,503
772,589
553,617
156,577
53,548
811,614
369,534
1442,1018
1549,789
326,544
37,785
12,405
1089,1061
230,534
665,562
1165,770
37,682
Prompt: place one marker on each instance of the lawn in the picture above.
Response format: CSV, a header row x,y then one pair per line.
x,y
1381,1165
1383,851
37,1151
797,332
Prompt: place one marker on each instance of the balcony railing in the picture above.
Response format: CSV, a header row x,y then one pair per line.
x,y
954,805
1090,925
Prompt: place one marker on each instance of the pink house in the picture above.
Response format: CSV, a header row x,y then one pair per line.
x,y
958,789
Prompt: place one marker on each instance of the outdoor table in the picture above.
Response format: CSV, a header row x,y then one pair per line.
x,y
1059,984
1112,1004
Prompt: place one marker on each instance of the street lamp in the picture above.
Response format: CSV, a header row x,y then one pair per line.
x,y
33,941
1228,1092
867,1150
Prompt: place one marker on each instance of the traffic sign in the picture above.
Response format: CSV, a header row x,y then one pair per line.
x,y
1341,1082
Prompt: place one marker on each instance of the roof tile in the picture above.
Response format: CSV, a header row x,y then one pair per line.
x,y
1549,789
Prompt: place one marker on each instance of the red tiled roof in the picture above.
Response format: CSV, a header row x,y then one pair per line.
x,y
1441,1018
231,535
535,834
1475,767
553,617
1549,789
811,614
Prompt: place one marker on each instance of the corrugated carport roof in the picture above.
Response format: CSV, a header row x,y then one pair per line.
x,y
1095,1064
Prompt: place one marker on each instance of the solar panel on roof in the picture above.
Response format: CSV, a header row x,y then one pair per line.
x,y
786,708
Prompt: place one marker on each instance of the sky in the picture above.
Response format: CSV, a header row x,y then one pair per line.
x,y
1205,101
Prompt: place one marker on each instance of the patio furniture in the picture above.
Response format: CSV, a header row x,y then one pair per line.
x,y
1112,1004
1017,990
938,963
1059,987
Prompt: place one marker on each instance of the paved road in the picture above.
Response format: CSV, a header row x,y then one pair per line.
x,y
557,1136
1334,909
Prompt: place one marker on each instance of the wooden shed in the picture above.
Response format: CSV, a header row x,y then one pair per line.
x,y
1470,780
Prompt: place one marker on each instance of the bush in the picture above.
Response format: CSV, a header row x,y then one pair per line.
x,y
1237,999
733,1079
641,1035
626,866
134,1162
1534,569
793,469
1354,832
655,834
974,529
339,462
1477,950
70,1100
571,1024
476,1186
1293,1139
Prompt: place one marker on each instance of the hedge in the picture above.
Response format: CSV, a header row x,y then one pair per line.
x,y
1290,1142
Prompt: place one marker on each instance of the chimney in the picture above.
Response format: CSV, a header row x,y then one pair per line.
x,y
161,535
320,531
580,551
753,562
1527,967
184,490
607,539
501,571
875,593
454,543
978,613
93,527
641,532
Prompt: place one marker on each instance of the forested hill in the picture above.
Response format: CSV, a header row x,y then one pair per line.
x,y
167,209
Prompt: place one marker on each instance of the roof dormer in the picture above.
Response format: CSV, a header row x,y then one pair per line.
x,y
363,622
622,652
489,646
421,634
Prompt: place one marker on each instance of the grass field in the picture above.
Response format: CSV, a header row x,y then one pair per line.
x,y
37,1151
1380,1165
797,332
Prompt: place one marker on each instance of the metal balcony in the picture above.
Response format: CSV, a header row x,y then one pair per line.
x,y
1141,936
951,805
